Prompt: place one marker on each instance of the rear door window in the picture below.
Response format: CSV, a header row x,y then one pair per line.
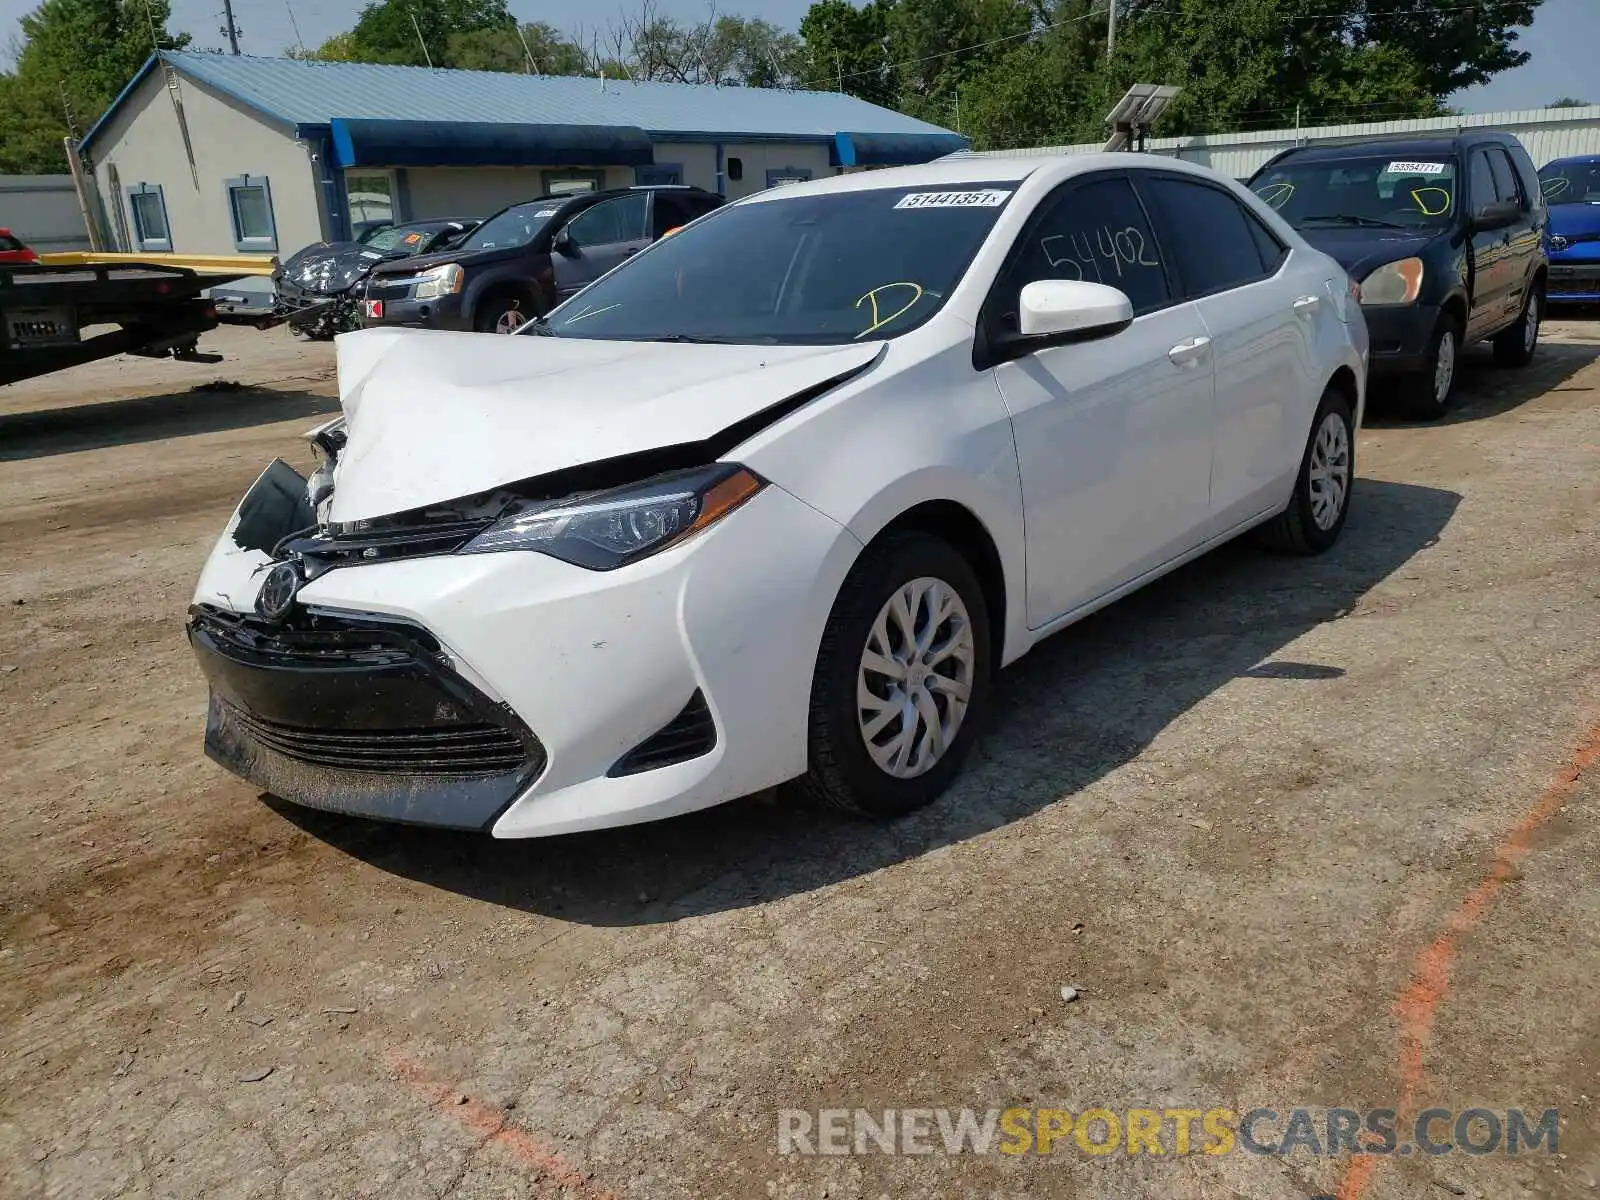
x,y
1207,233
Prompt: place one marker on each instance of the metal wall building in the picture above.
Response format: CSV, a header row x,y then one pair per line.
x,y
1548,133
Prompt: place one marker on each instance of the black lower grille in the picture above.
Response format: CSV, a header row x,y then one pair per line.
x,y
477,749
1575,279
691,734
359,714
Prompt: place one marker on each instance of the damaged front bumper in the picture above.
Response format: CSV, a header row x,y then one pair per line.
x,y
514,692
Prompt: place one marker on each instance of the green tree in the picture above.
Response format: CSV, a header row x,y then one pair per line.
x,y
503,50
74,58
396,31
1568,102
847,48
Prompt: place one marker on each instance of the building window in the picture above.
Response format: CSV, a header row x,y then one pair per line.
x,y
250,209
564,183
658,175
788,175
736,169
148,209
370,199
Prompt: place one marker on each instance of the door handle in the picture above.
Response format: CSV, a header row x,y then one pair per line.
x,y
1188,353
1307,305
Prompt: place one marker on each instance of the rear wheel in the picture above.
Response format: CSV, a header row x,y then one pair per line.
x,y
1516,344
1321,501
902,680
1431,391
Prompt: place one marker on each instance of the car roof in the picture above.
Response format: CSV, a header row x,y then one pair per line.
x,y
1407,145
972,169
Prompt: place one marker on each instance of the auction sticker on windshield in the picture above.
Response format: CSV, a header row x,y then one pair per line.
x,y
987,198
1417,168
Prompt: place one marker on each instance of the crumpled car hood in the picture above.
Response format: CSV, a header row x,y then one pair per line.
x,y
434,416
330,266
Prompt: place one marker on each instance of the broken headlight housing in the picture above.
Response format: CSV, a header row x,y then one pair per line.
x,y
606,530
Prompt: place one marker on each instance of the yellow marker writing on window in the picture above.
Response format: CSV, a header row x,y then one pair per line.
x,y
1276,195
878,320
1439,204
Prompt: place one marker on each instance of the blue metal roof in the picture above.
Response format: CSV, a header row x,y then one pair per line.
x,y
300,93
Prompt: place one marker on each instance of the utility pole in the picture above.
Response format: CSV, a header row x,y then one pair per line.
x,y
230,29
1111,29
533,67
426,57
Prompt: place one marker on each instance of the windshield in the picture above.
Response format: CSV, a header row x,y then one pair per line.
x,y
825,268
1361,192
1572,182
516,226
401,239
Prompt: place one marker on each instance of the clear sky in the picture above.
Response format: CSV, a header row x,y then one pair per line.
x,y
1564,38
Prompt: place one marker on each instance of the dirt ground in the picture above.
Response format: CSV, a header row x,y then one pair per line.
x,y
1303,833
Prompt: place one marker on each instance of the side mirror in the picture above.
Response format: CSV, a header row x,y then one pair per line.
x,y
563,243
1066,310
1497,214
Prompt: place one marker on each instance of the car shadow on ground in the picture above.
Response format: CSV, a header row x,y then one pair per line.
x,y
210,408
1079,706
1485,390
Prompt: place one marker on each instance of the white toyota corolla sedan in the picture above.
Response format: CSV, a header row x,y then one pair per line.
x,y
775,500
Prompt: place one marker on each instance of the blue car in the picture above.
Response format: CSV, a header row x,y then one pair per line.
x,y
1571,188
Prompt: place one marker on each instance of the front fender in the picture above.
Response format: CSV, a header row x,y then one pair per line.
x,y
918,427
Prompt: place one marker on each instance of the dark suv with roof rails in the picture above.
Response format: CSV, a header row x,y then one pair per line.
x,y
527,258
1444,235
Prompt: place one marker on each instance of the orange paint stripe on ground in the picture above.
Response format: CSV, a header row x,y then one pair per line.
x,y
1429,984
495,1128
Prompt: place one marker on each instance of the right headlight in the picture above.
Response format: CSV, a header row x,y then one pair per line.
x,y
610,529
1393,283
440,281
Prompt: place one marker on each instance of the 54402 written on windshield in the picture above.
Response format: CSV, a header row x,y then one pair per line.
x,y
816,269
1376,192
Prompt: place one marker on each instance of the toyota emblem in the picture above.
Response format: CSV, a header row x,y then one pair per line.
x,y
1559,243
277,591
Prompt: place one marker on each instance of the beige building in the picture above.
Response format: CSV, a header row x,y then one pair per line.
x,y
216,154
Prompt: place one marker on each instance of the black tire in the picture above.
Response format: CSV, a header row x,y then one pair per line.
x,y
1424,398
493,309
1516,344
842,773
1295,530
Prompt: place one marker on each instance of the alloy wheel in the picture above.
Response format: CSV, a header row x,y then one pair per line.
x,y
1444,368
510,321
1329,473
1530,324
915,677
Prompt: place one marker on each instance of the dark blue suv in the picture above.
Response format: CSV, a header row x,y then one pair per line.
x,y
1444,235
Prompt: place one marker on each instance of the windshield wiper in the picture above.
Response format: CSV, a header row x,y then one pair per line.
x,y
1349,219
542,327
694,340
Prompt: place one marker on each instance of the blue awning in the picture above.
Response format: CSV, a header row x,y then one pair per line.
x,y
893,149
378,143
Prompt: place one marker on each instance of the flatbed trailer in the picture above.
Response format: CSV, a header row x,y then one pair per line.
x,y
145,307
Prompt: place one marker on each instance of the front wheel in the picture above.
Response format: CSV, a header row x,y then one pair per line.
x,y
1321,501
902,680
1433,389
1515,345
503,314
